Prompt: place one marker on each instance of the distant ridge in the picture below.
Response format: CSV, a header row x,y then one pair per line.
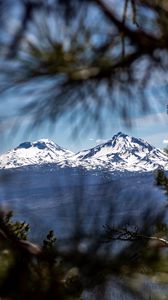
x,y
121,153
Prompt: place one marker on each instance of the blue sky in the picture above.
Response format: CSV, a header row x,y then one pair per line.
x,y
151,126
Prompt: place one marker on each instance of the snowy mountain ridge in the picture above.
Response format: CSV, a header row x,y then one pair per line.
x,y
39,152
121,153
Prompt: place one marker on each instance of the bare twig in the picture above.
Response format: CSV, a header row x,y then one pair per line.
x,y
124,234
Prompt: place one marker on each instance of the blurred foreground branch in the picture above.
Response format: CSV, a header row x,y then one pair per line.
x,y
62,59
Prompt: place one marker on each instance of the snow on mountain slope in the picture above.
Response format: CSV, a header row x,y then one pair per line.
x,y
39,152
124,152
121,153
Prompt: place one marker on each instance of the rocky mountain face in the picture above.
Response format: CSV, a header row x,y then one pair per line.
x,y
121,153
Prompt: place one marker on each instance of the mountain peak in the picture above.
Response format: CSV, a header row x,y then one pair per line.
x,y
125,152
124,140
121,153
40,144
42,151
120,134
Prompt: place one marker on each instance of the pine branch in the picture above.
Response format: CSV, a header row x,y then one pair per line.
x,y
113,234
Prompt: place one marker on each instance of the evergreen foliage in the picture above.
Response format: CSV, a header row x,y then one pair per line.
x,y
70,71
162,180
84,66
49,272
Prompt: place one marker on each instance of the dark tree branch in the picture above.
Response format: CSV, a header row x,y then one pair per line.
x,y
28,9
124,234
138,38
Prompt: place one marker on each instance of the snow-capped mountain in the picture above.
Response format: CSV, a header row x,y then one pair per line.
x,y
124,152
39,152
121,153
